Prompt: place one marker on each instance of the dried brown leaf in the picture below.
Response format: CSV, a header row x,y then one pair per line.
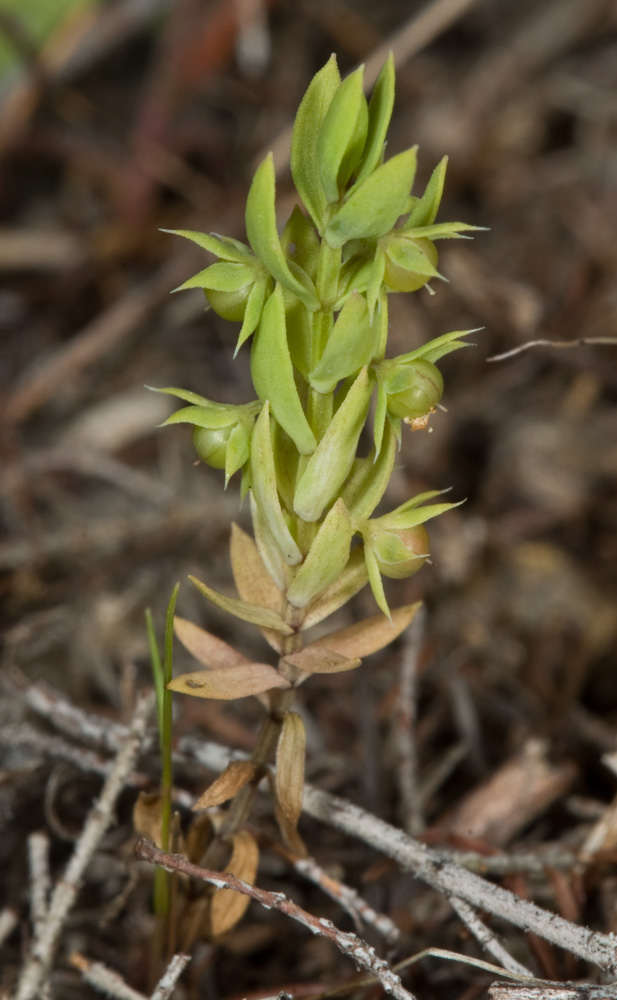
x,y
236,775
319,660
290,752
352,579
229,682
251,577
369,635
228,907
148,816
205,647
198,837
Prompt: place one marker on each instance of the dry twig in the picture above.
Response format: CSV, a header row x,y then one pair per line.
x,y
349,944
40,957
404,720
102,978
561,344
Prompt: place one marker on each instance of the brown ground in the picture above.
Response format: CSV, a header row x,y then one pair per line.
x,y
155,124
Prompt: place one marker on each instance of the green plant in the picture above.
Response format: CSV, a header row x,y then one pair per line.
x,y
315,302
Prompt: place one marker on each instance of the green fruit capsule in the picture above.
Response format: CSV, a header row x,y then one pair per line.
x,y
229,305
411,269
400,554
210,443
413,389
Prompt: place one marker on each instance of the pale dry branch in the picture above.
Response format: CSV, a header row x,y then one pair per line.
x,y
40,882
404,727
8,922
349,944
107,981
40,957
487,939
561,344
551,991
170,977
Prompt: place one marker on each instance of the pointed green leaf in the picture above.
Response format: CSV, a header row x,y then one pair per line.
x,y
374,578
425,211
205,416
185,394
326,560
265,492
415,516
304,156
220,277
238,449
273,375
405,254
369,480
350,345
379,114
230,683
330,464
350,582
300,242
248,612
223,246
442,231
263,235
342,135
252,313
373,208
379,422
373,287
439,347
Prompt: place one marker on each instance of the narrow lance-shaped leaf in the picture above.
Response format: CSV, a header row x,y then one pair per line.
x,y
264,239
229,683
425,212
373,208
290,753
369,635
228,907
265,492
252,313
329,465
248,612
350,345
369,480
379,114
236,775
304,156
326,559
222,246
342,135
220,277
251,577
205,647
374,578
273,375
350,582
316,659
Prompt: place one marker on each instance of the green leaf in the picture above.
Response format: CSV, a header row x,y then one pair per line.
x,y
373,208
248,612
326,560
369,480
265,492
330,464
440,346
186,395
425,211
220,277
273,374
223,246
375,280
412,517
205,416
379,114
405,254
342,135
252,313
304,156
350,346
441,231
350,582
263,235
300,242
374,578
381,409
238,449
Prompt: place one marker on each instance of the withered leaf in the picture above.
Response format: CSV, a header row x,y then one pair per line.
x,y
230,682
290,752
251,577
148,816
352,579
245,610
316,659
236,775
369,635
205,647
228,906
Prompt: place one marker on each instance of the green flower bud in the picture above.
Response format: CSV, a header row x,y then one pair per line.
x,y
399,554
